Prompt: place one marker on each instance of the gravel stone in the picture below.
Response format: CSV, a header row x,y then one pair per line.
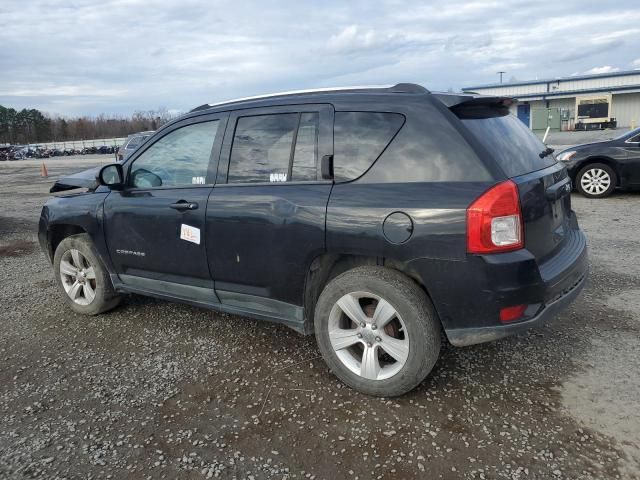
x,y
161,390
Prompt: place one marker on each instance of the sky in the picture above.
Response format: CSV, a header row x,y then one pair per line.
x,y
85,57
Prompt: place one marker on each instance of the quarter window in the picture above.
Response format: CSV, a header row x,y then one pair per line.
x,y
360,138
178,159
275,148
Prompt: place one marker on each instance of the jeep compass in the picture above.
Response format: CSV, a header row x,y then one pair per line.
x,y
383,219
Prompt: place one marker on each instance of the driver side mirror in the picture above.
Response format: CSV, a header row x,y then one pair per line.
x,y
111,176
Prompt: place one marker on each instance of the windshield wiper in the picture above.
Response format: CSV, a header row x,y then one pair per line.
x,y
546,152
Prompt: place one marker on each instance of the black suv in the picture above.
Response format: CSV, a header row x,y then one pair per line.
x,y
377,218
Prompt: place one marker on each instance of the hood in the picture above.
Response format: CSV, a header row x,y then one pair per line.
x,y
85,179
583,146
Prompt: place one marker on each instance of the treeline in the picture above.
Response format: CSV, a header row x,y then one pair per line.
x,y
33,126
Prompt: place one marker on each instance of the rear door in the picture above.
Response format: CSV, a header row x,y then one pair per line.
x,y
266,214
155,227
543,183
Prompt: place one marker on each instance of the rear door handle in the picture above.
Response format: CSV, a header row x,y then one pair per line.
x,y
184,205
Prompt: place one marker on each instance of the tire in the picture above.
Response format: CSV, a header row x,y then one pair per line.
x,y
80,274
411,331
596,180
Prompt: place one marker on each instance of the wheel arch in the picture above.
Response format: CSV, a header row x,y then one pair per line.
x,y
328,266
601,159
58,232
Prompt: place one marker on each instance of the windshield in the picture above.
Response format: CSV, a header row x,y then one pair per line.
x,y
509,141
629,134
134,142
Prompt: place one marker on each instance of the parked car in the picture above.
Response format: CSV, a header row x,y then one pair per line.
x,y
105,149
375,217
5,151
18,152
596,169
132,142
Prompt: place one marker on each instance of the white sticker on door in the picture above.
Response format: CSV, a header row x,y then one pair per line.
x,y
190,234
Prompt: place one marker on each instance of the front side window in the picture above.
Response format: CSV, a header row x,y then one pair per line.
x,y
178,159
275,148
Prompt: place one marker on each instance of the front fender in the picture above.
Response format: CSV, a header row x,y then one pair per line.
x,y
71,214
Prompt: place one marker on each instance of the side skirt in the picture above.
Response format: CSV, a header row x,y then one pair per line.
x,y
234,303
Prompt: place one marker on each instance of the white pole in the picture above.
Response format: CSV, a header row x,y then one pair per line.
x,y
544,139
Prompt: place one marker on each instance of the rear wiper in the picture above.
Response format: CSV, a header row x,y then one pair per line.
x,y
546,152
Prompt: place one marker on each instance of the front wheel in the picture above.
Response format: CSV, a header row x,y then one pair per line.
x,y
84,281
377,331
596,180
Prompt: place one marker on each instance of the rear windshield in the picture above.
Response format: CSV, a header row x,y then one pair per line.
x,y
509,141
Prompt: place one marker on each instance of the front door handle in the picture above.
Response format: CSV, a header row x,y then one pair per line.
x,y
184,205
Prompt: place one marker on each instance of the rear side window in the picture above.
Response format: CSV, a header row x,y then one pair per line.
x,y
509,142
359,139
305,159
275,148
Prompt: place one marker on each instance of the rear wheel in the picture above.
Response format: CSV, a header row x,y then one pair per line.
x,y
596,180
377,331
83,279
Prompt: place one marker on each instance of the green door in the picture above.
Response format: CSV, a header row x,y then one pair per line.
x,y
541,118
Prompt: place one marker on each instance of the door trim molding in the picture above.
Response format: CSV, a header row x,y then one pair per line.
x,y
170,289
246,301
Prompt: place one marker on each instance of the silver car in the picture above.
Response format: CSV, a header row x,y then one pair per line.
x,y
132,142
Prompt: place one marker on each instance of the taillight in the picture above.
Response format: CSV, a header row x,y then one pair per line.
x,y
510,314
494,221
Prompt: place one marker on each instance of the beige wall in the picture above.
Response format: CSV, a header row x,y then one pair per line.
x,y
626,108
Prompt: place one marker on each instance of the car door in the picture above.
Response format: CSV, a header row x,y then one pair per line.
x,y
155,227
632,163
266,213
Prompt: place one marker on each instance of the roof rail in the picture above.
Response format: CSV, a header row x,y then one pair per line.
x,y
397,88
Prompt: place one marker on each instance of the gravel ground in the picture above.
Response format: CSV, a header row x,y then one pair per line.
x,y
161,390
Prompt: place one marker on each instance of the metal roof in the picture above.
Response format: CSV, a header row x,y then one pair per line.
x,y
557,79
572,93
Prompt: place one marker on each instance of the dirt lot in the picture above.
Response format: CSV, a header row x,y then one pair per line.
x,y
160,390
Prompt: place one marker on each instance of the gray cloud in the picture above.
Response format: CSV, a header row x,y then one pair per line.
x,y
124,55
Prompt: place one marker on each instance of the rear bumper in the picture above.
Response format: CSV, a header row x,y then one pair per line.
x,y
461,337
469,295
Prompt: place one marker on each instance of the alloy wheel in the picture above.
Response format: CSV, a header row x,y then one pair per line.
x,y
368,335
78,277
595,181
